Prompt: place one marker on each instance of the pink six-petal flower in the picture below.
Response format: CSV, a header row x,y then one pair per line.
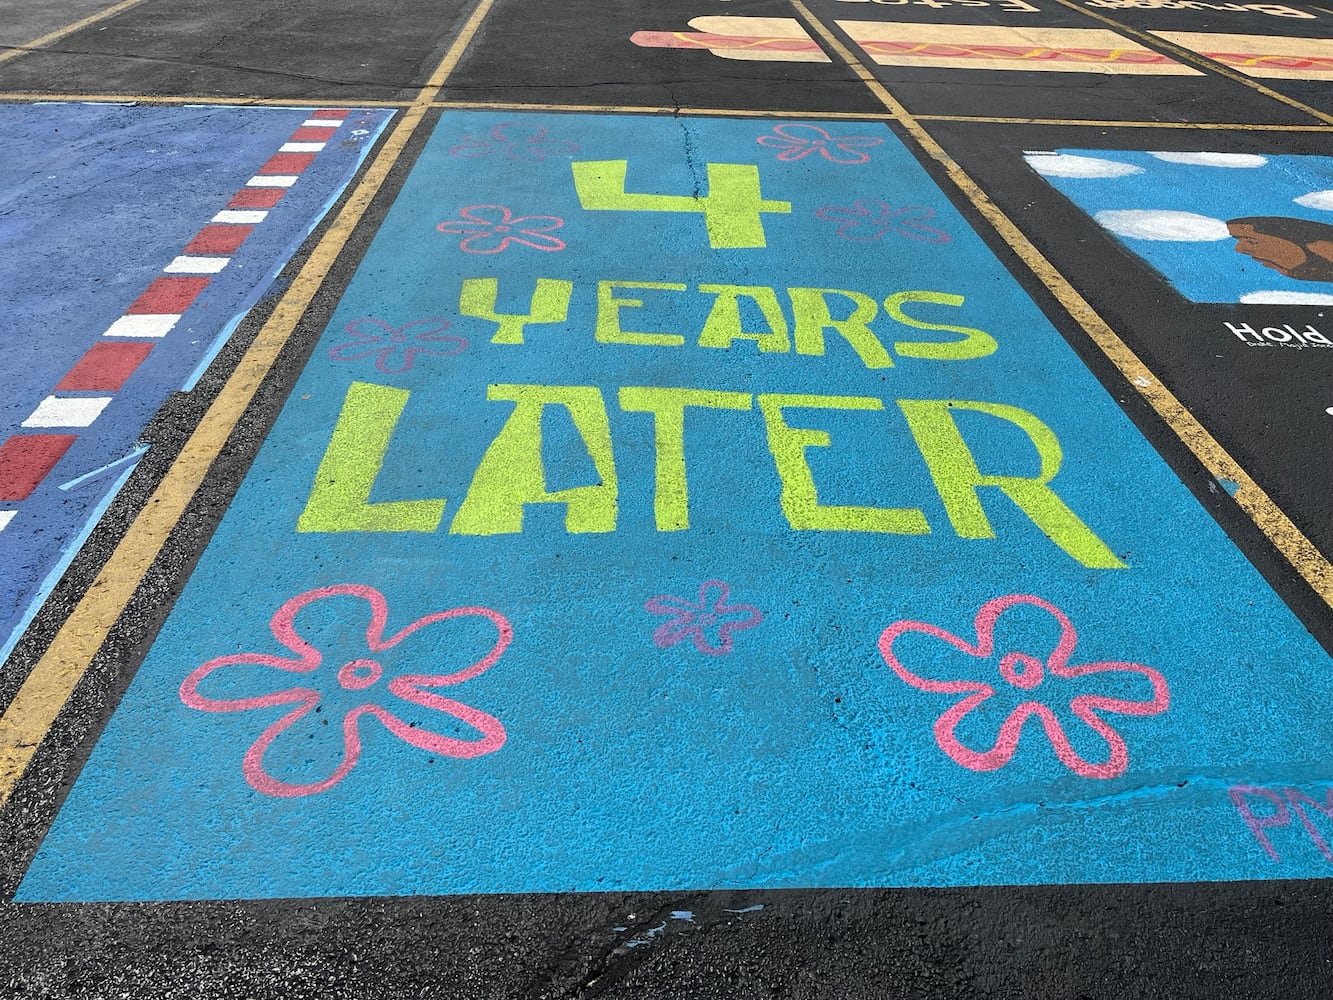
x,y
355,675
866,220
516,140
374,337
798,141
491,228
1026,673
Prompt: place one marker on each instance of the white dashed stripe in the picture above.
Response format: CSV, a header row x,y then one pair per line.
x,y
271,181
239,216
5,517
67,411
143,325
196,265
301,147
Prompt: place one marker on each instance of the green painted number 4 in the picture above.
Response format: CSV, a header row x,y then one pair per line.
x,y
733,209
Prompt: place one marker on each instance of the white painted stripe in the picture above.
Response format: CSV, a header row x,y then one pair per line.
x,y
5,517
143,325
322,122
271,181
301,147
67,411
197,265
240,216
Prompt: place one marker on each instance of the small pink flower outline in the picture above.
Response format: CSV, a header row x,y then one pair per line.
x,y
1026,672
868,219
798,141
694,620
516,140
491,235
355,675
377,338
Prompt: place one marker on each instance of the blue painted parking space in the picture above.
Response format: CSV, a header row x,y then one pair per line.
x,y
698,503
132,241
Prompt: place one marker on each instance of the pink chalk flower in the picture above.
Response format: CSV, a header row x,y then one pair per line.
x,y
515,141
1027,673
395,348
491,228
709,622
798,141
866,220
361,676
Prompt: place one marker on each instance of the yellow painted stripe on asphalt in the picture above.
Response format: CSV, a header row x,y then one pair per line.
x,y
233,102
1202,61
1112,123
54,677
69,29
1308,561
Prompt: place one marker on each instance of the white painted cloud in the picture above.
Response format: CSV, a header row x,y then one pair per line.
x,y
1242,160
1163,224
1068,165
1316,199
1287,299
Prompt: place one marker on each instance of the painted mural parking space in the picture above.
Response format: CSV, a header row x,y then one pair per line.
x,y
132,241
691,503
1039,59
1231,239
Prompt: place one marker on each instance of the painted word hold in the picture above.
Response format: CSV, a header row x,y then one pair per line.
x,y
815,313
1285,335
512,474
1264,809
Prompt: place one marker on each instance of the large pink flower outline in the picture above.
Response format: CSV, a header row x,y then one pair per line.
x,y
493,234
516,140
1026,672
866,220
798,141
696,621
355,675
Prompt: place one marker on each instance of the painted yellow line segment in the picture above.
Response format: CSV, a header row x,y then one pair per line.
x,y
1203,62
69,29
1308,561
231,102
54,677
1112,123
651,109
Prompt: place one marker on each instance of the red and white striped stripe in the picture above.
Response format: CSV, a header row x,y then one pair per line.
x,y
84,392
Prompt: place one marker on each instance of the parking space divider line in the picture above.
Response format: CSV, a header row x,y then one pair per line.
x,y
13,52
1298,550
54,677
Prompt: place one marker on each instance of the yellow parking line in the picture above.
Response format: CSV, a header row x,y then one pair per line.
x,y
1112,123
650,109
69,29
1289,540
234,102
35,707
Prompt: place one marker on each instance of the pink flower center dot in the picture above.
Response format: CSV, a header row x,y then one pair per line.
x,y
359,674
707,618
1029,674
502,229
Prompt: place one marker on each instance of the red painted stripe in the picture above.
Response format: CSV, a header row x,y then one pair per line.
x,y
287,163
106,366
257,197
221,240
339,113
310,133
168,295
25,459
